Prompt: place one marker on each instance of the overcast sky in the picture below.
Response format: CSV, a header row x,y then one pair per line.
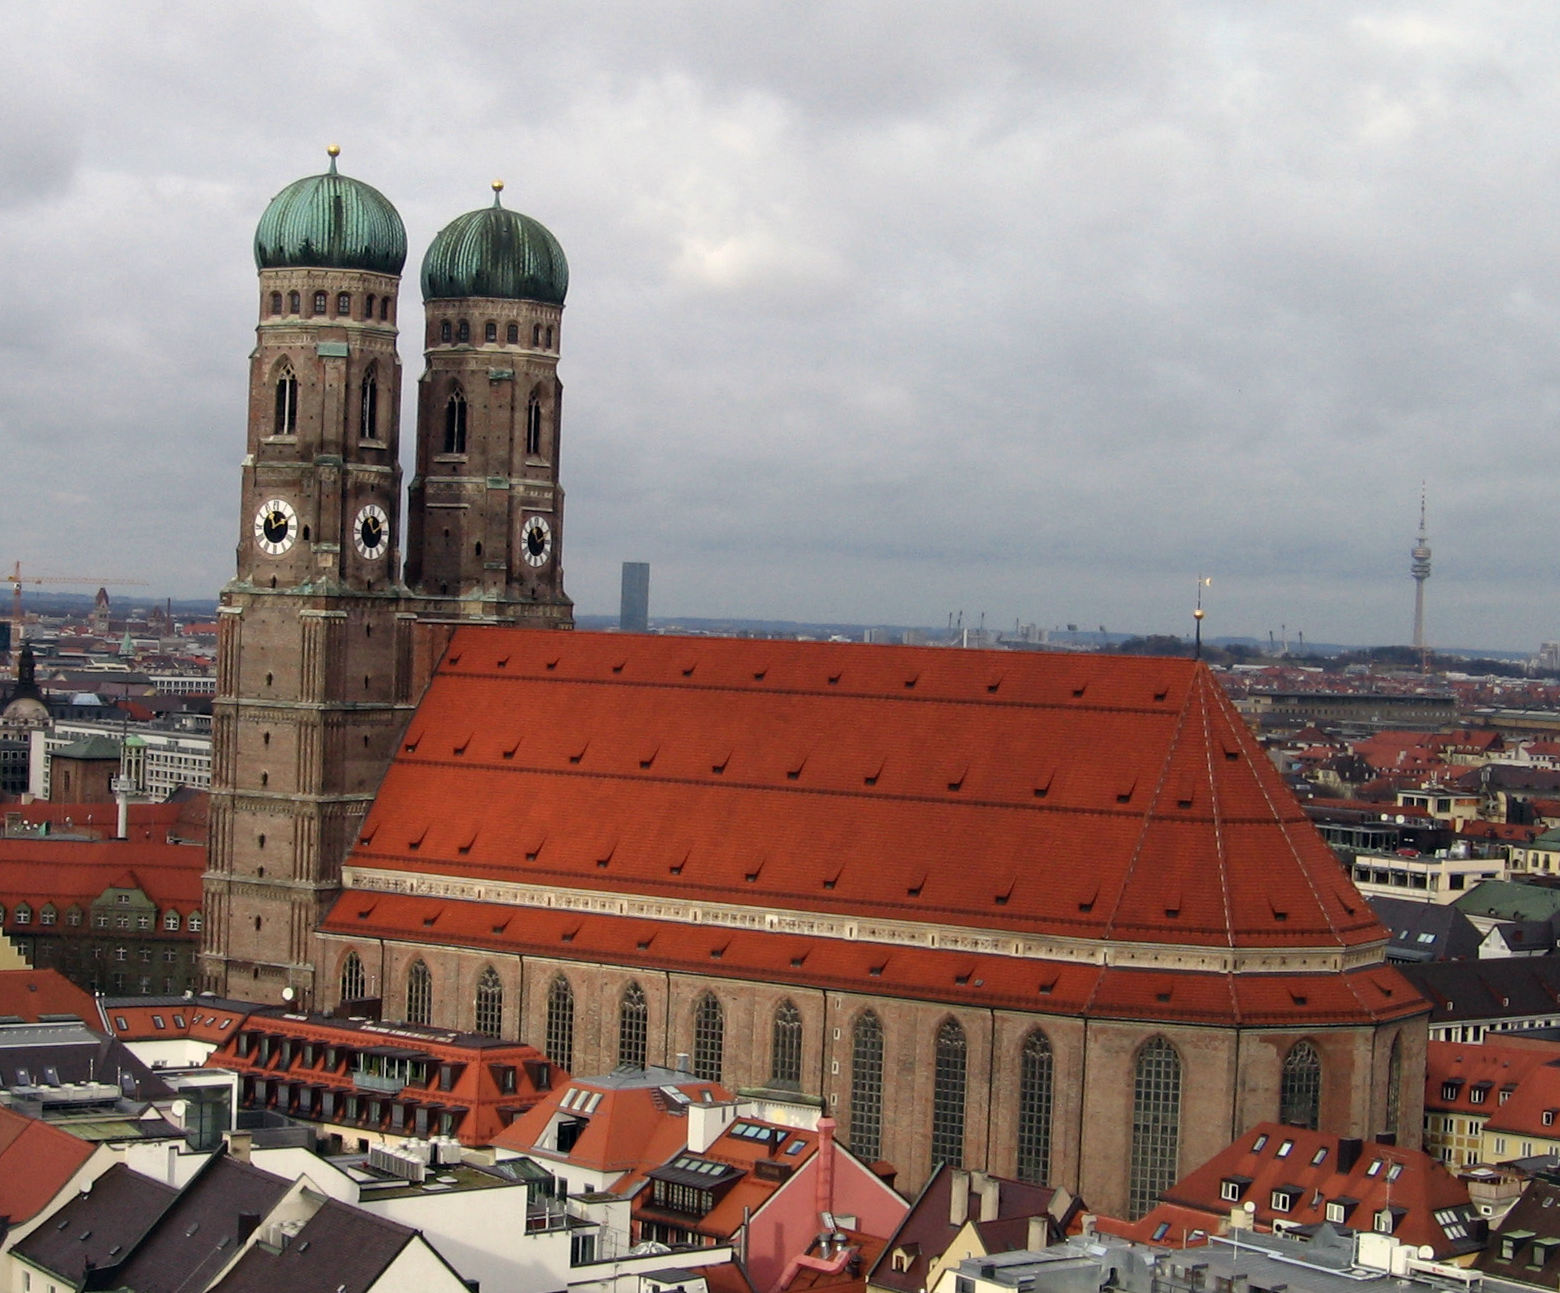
x,y
877,311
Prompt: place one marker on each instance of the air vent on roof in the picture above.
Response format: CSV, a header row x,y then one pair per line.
x,y
1231,748
579,753
503,662
914,890
798,961
1086,904
644,943
411,742
1187,793
831,880
466,847
1299,998
1043,782
688,669
759,674
568,935
1162,996
416,841
1124,791
433,919
534,848
618,667
365,912
752,876
1173,903
1001,899
647,757
794,772
876,971
1079,690
453,660
911,681
604,855
1046,987
510,752
1279,913
552,664
500,928
718,766
956,776
1162,692
834,679
993,683
717,952
871,779
367,837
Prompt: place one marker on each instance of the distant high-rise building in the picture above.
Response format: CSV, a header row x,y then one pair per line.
x,y
1420,568
634,616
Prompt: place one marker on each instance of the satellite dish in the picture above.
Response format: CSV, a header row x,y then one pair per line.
x,y
1426,1252
180,1108
288,995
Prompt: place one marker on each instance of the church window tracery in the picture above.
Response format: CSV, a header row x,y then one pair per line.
x,y
560,1023
785,1058
866,1088
1156,1125
455,423
1035,1085
369,403
709,1037
948,1081
490,1003
633,1027
1300,1087
286,401
533,424
419,993
354,984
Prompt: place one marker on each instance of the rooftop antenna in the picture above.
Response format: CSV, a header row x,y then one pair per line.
x,y
1419,567
1203,581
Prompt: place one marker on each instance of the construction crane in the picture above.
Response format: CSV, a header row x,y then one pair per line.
x,y
17,580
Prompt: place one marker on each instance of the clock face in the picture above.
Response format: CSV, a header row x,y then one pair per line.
x,y
371,531
537,541
276,526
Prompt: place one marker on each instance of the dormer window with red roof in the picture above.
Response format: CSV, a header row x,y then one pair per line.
x,y
1283,1198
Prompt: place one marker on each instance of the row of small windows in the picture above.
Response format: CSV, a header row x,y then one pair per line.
x,y
374,306
459,332
48,914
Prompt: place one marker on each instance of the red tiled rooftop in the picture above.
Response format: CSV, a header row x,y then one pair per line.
x,y
36,1161
1093,797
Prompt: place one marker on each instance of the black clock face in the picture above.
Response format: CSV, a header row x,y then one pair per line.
x,y
371,531
372,535
536,540
276,526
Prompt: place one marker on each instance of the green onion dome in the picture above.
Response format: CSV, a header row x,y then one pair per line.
x,y
495,252
332,222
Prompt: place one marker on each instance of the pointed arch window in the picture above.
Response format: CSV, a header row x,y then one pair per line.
x,y
276,302
490,332
560,1023
354,984
463,331
384,307
709,1037
1394,1084
633,1027
513,333
343,303
490,1004
533,424
294,303
319,303
455,423
444,330
948,1081
286,401
1300,1087
1036,1080
785,1052
1156,1125
866,1088
368,305
536,335
419,993
368,415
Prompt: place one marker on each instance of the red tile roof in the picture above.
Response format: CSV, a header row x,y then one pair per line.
x,y
28,994
75,872
1480,1077
1099,797
37,1160
984,979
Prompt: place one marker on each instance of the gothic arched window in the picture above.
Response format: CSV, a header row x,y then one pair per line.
x,y
513,334
560,1023
1300,1088
463,331
709,1038
286,401
866,1088
785,1053
1156,1125
319,303
536,335
384,307
633,1027
1036,1080
276,302
354,985
444,330
343,303
455,423
533,424
948,1077
490,332
368,306
368,418
419,993
490,1004
294,303
1394,1084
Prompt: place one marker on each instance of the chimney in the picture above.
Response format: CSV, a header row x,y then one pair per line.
x,y
826,1127
958,1196
1034,1240
1349,1148
248,1222
173,1164
990,1198
706,1122
682,1062
238,1143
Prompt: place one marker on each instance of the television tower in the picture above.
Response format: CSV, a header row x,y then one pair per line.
x,y
1420,567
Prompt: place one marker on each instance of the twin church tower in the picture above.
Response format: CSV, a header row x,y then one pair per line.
x,y
326,640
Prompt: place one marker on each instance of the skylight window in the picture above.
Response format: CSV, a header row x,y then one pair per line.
x,y
1284,1148
1258,1144
1316,1158
1374,1168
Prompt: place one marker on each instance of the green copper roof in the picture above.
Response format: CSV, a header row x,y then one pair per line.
x,y
331,221
495,252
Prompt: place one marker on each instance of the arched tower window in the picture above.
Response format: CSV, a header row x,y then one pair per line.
x,y
319,303
866,1088
294,303
444,330
1036,1079
384,307
948,1079
513,333
490,332
354,986
1156,1125
549,338
533,424
463,331
455,423
1394,1084
419,993
368,418
286,401
1300,1088
633,1027
368,306
785,1052
536,335
490,1003
343,303
709,1038
560,1023
276,302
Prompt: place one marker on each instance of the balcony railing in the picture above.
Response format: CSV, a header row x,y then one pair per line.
x,y
366,1081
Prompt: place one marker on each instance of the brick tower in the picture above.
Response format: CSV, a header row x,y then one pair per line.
x,y
313,676
485,510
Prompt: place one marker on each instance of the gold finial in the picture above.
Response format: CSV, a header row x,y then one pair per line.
x,y
335,151
498,187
